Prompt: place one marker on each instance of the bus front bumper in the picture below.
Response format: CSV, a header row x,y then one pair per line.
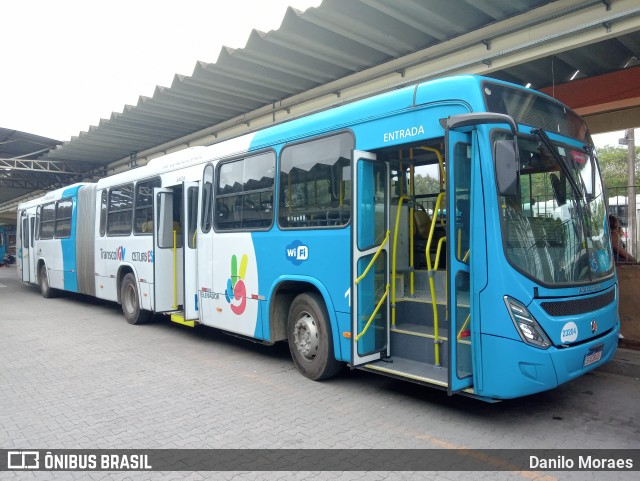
x,y
510,368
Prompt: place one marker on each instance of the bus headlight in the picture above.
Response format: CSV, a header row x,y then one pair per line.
x,y
528,328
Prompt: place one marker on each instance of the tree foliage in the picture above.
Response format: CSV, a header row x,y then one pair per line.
x,y
613,164
426,184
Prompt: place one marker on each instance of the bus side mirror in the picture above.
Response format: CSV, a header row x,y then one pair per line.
x,y
507,175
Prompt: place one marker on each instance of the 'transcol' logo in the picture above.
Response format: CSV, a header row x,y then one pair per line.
x,y
297,252
117,255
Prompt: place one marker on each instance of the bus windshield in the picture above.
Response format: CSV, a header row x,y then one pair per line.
x,y
531,108
555,229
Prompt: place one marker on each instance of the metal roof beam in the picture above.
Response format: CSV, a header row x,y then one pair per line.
x,y
25,184
49,166
552,28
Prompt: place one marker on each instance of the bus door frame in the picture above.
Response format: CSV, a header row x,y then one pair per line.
x,y
462,128
459,278
26,252
167,286
358,253
190,212
33,225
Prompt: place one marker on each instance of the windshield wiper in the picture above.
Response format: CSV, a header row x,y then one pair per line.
x,y
546,141
583,221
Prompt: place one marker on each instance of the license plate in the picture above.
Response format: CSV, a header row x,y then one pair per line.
x,y
594,355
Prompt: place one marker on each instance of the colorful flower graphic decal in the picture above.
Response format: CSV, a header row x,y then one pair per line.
x,y
236,293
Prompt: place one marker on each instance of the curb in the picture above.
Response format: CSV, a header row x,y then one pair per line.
x,y
625,362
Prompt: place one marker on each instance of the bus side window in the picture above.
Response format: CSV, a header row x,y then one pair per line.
x,y
63,219
244,193
192,220
315,184
32,233
103,213
143,212
36,230
25,233
120,210
47,221
207,198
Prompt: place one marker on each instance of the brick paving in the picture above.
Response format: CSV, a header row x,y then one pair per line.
x,y
75,375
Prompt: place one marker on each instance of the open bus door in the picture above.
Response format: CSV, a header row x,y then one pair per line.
x,y
461,324
25,251
190,251
370,261
32,246
167,255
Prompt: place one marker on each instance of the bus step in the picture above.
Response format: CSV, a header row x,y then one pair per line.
x,y
417,343
409,369
419,313
178,318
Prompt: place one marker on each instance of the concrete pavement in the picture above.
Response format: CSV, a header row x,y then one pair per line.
x,y
626,362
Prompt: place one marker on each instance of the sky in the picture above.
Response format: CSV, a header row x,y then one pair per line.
x,y
68,63
611,138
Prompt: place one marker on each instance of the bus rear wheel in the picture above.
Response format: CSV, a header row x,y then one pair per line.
x,y
130,298
43,280
310,340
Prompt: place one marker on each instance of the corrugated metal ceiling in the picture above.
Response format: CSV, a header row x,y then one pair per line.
x,y
309,49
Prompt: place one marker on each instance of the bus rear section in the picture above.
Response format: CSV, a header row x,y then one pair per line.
x,y
55,241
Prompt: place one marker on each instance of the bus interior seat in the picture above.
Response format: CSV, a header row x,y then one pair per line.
x,y
422,223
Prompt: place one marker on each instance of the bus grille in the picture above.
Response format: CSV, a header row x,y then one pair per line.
x,y
579,306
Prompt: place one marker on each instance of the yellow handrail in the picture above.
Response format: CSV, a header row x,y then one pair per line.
x,y
375,311
432,287
463,326
432,229
393,260
412,192
440,161
374,258
438,249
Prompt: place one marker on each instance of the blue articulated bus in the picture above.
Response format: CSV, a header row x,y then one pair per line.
x,y
396,234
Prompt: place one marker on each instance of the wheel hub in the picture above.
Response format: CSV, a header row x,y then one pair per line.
x,y
306,336
129,299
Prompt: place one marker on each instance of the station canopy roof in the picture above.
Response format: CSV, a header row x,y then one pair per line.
x,y
311,48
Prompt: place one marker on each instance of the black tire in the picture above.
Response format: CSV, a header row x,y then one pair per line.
x,y
130,299
310,340
43,281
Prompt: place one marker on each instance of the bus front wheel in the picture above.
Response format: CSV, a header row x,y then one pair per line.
x,y
310,340
43,279
130,298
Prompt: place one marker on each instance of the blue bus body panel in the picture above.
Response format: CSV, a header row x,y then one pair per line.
x,y
389,119
340,118
512,369
446,90
3,244
69,244
319,257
